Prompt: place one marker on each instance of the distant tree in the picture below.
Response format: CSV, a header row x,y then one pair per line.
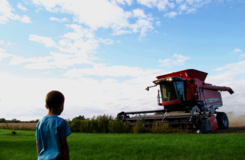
x,y
37,120
13,120
79,118
3,120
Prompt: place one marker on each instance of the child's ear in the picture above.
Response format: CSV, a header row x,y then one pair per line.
x,y
46,106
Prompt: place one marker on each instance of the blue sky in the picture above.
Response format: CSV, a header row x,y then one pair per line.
x,y
102,53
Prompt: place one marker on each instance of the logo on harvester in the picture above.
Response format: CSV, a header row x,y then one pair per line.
x,y
213,100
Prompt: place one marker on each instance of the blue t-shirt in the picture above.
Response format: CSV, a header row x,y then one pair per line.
x,y
49,132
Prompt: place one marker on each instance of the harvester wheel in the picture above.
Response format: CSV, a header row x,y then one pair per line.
x,y
223,121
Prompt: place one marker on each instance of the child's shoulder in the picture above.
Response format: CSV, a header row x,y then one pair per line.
x,y
50,119
55,118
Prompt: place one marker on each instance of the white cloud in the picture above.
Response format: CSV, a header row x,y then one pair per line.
x,y
139,13
106,41
48,42
179,1
143,25
121,32
3,54
129,2
158,23
180,60
1,42
96,97
38,9
77,47
191,10
238,67
170,14
81,42
59,20
160,4
111,71
226,76
176,60
58,60
16,60
183,7
186,9
242,55
6,14
22,7
237,50
165,62
6,44
24,19
94,16
100,15
175,8
84,95
195,1
55,60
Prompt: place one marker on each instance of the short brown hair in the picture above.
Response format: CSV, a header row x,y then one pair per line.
x,y
54,99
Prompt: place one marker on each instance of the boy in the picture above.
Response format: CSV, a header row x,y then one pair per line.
x,y
51,130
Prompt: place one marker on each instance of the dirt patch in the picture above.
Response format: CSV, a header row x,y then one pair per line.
x,y
19,124
230,130
237,121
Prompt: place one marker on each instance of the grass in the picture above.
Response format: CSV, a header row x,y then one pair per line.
x,y
130,146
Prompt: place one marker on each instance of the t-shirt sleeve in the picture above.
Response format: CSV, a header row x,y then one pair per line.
x,y
65,130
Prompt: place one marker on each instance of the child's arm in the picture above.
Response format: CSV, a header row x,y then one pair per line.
x,y
37,146
65,148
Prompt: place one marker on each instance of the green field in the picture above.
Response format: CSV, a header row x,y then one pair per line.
x,y
130,146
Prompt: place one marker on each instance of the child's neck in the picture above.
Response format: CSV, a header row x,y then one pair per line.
x,y
52,112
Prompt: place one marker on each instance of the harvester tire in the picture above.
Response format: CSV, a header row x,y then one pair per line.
x,y
223,122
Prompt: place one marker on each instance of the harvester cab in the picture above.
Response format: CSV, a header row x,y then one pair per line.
x,y
186,100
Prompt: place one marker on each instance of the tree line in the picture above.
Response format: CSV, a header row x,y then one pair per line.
x,y
3,120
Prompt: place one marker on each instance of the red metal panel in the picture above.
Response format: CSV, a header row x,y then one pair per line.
x,y
171,102
211,97
217,88
213,123
190,91
186,74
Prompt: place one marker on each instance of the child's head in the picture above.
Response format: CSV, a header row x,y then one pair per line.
x,y
55,101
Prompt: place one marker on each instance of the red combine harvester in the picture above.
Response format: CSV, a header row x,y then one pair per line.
x,y
186,100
